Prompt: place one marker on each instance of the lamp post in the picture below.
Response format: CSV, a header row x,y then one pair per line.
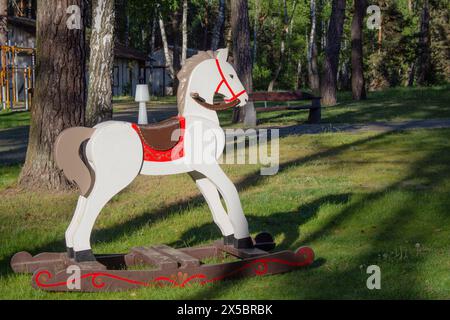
x,y
142,96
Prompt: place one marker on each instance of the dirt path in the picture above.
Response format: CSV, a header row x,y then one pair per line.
x,y
13,142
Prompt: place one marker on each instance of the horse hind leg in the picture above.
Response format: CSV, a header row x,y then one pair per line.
x,y
70,157
70,231
230,195
212,197
115,154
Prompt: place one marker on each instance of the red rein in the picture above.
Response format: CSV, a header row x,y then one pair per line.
x,y
224,80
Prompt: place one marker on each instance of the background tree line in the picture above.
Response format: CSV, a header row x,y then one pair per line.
x,y
289,38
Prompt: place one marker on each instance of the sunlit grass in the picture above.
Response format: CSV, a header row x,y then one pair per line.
x,y
357,199
397,104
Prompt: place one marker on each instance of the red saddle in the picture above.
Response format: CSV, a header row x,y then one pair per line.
x,y
162,141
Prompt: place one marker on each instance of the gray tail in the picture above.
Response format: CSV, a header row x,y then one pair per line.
x,y
69,159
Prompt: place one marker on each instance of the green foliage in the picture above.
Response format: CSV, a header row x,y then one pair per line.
x,y
389,64
261,76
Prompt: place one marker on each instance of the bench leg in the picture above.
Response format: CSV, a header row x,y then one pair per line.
x,y
315,113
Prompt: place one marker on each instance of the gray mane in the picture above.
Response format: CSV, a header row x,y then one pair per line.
x,y
185,73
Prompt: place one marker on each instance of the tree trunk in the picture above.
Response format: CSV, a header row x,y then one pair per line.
x,y
424,64
217,31
167,55
333,48
176,61
3,22
358,82
313,70
284,37
298,76
255,32
410,6
60,94
101,62
127,24
411,74
282,48
185,33
228,29
242,57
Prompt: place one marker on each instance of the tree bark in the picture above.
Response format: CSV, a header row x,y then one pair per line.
x,y
424,59
167,55
60,94
313,69
228,29
333,48
217,31
127,24
358,82
176,61
3,22
185,33
242,57
101,62
255,32
298,74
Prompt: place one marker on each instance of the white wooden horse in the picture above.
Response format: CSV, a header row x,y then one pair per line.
x,y
105,159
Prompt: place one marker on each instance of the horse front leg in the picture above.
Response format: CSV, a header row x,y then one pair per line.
x,y
212,197
231,197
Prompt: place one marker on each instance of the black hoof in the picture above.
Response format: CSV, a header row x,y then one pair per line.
x,y
228,240
85,255
244,243
264,241
70,253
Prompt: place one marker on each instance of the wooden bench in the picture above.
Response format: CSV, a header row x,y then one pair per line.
x,y
314,108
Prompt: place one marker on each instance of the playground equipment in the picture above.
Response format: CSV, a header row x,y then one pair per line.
x,y
114,153
16,77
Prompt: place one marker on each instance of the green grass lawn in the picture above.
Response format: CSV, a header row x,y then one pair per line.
x,y
357,199
12,119
397,104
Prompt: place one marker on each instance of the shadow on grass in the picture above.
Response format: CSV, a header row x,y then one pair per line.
x,y
387,105
286,224
350,281
397,103
112,233
291,222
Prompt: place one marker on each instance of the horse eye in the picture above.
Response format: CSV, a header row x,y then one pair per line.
x,y
231,76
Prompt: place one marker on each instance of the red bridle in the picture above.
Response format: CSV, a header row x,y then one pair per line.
x,y
224,80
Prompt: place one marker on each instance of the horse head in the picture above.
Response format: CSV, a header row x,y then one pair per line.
x,y
207,74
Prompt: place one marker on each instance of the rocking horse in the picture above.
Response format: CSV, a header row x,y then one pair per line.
x,y
105,159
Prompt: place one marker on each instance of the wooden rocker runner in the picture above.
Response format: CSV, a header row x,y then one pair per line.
x,y
105,159
165,267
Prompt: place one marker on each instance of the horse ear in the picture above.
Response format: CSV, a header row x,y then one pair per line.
x,y
222,54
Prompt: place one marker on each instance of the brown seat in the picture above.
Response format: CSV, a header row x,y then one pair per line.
x,y
163,135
